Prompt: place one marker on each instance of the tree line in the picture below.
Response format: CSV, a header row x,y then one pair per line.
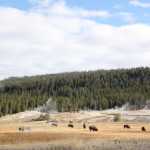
x,y
92,90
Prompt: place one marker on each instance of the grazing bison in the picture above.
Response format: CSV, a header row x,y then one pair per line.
x,y
84,126
143,129
70,125
21,129
127,126
54,124
93,128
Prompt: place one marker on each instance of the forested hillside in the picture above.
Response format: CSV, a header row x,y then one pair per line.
x,y
77,90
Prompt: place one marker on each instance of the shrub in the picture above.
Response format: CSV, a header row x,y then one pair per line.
x,y
117,117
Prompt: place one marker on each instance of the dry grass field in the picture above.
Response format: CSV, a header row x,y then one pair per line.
x,y
42,132
40,135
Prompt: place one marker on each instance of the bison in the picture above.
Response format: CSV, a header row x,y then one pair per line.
x,y
143,129
70,125
127,126
54,124
21,129
84,126
93,128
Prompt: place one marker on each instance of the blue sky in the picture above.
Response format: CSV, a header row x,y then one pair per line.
x,y
21,4
137,13
51,36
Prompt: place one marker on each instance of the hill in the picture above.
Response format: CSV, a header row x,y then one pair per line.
x,y
96,90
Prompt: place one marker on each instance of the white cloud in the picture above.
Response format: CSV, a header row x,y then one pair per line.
x,y
38,42
60,8
138,3
127,17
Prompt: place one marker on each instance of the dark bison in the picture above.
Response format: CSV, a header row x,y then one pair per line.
x,y
84,126
127,126
54,124
70,125
21,129
143,129
93,128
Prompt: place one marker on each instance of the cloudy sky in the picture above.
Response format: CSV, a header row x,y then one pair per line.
x,y
51,36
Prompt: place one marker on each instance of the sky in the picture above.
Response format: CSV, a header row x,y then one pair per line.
x,y
53,36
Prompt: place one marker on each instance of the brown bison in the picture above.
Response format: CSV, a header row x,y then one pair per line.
x,y
21,129
93,128
70,125
84,126
143,129
54,124
127,126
